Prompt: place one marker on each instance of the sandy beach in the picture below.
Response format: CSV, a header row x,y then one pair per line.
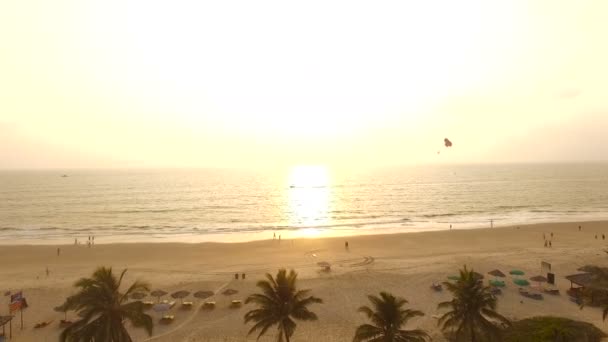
x,y
404,264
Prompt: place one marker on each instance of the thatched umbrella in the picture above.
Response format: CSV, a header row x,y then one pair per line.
x,y
138,295
158,293
203,294
229,292
180,295
539,279
497,273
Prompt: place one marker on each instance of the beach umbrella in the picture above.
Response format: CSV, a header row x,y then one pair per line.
x,y
158,293
517,272
229,292
496,273
138,295
539,279
180,295
521,282
203,294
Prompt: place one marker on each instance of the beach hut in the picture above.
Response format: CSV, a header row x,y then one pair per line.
x,y
582,281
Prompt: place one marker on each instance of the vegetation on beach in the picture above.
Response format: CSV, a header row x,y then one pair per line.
x,y
548,328
388,315
279,304
472,312
103,309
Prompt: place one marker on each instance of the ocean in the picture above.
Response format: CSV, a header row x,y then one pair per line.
x,y
168,205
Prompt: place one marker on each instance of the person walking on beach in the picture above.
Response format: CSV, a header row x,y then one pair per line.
x,y
47,271
93,240
274,236
545,243
552,235
58,251
450,227
550,245
279,238
596,236
603,237
346,245
579,228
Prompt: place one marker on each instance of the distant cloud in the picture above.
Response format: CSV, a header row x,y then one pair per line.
x,y
569,93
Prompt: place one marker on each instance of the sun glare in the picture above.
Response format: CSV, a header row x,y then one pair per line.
x,y
309,199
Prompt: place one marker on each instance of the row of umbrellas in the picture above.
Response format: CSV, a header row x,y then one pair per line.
x,y
177,295
497,273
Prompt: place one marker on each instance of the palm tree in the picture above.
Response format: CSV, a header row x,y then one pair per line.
x,y
278,303
104,309
473,308
388,316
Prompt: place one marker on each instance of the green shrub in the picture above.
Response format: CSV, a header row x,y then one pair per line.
x,y
552,329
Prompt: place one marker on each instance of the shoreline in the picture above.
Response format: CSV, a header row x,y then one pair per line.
x,y
289,234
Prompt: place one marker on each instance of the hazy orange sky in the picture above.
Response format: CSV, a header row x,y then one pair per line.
x,y
257,83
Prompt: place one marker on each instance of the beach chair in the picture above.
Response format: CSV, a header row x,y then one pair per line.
x,y
554,292
187,305
167,319
42,324
209,305
236,304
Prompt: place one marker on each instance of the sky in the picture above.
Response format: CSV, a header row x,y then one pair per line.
x,y
268,83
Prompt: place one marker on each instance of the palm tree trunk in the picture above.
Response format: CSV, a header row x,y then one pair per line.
x,y
472,333
286,337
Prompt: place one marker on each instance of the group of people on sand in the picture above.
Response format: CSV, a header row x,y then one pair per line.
x,y
603,235
274,237
90,241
